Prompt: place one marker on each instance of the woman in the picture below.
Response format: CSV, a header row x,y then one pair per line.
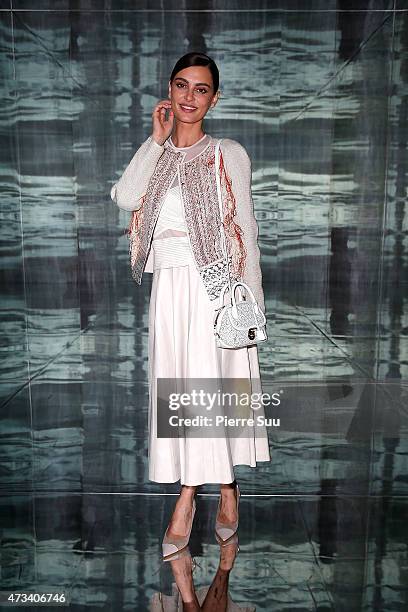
x,y
170,187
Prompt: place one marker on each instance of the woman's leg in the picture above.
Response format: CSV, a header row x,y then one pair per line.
x,y
217,595
182,568
180,520
183,573
228,510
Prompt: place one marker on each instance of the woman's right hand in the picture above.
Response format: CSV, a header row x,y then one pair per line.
x,y
162,128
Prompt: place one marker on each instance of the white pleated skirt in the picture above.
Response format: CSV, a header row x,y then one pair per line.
x,y
182,345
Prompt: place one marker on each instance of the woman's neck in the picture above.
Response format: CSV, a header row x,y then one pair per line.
x,y
185,135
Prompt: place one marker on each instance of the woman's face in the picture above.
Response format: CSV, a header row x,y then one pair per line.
x,y
191,94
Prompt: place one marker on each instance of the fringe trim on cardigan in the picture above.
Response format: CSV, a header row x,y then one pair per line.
x,y
232,229
133,232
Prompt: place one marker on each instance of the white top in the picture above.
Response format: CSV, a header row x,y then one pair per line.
x,y
171,214
170,243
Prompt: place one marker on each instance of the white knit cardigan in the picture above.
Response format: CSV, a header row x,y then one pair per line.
x,y
128,191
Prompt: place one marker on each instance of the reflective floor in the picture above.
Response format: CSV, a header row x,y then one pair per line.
x,y
295,552
317,92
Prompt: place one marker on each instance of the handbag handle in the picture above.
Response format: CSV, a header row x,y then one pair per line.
x,y
222,231
236,284
247,289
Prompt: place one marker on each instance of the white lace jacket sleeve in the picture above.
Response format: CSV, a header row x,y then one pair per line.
x,y
238,167
129,189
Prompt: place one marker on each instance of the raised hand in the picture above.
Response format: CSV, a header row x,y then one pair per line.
x,y
162,128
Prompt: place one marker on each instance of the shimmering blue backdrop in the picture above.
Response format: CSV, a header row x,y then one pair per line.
x,y
317,92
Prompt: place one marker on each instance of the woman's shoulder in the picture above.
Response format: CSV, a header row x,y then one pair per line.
x,y
235,150
230,144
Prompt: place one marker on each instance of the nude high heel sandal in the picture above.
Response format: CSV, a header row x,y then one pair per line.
x,y
172,546
231,541
224,532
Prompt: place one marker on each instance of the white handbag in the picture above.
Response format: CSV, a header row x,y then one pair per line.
x,y
239,323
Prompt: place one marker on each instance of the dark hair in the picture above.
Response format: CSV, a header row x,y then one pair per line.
x,y
197,59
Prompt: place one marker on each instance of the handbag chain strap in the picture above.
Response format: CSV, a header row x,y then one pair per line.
x,y
222,229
